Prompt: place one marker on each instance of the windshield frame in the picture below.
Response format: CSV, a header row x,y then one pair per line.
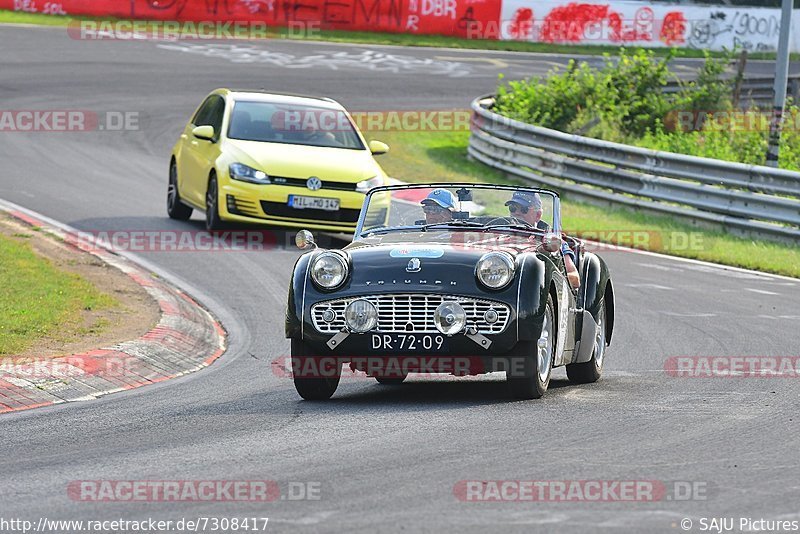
x,y
358,234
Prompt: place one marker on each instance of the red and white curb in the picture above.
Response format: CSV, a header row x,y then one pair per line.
x,y
186,339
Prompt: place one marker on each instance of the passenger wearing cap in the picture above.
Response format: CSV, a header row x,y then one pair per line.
x,y
438,206
527,206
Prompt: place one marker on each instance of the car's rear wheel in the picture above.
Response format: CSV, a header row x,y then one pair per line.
x,y
213,221
323,380
529,371
585,373
175,208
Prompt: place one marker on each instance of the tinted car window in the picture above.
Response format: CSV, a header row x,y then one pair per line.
x,y
293,124
211,113
201,118
216,113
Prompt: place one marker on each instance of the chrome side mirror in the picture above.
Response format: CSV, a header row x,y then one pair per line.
x,y
552,242
304,240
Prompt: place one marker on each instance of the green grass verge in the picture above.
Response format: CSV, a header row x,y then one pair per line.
x,y
38,300
441,156
401,39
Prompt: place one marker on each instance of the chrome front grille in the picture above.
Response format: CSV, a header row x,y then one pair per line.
x,y
412,313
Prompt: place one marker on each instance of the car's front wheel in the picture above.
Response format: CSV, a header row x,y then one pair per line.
x,y
529,370
213,220
588,372
175,208
314,378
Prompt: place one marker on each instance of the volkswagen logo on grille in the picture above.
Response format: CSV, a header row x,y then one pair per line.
x,y
314,183
413,265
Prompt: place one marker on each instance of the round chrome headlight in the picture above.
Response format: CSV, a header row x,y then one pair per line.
x,y
495,270
361,316
450,318
329,270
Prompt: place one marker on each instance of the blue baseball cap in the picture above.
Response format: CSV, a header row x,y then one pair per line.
x,y
526,199
441,197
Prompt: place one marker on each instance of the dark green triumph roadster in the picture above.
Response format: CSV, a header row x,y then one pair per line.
x,y
450,278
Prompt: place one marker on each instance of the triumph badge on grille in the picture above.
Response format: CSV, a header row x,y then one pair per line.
x,y
413,265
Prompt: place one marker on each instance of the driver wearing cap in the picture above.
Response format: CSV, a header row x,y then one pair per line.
x,y
438,206
527,206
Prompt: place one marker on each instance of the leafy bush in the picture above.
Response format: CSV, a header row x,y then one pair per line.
x,y
627,92
709,92
624,101
740,136
554,103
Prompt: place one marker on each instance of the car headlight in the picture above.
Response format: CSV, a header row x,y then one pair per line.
x,y
329,270
495,270
450,318
361,316
243,173
365,185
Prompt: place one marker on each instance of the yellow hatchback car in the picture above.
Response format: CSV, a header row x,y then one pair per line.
x,y
283,160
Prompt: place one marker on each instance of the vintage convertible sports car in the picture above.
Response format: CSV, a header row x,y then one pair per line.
x,y
456,278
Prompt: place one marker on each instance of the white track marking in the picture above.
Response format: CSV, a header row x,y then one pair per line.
x,y
760,291
712,267
661,267
650,286
675,314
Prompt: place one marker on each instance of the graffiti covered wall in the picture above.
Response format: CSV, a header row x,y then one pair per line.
x,y
644,24
446,17
618,22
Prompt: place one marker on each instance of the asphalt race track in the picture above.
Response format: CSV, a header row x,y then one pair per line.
x,y
385,458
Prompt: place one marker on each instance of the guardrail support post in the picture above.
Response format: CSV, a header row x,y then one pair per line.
x,y
737,84
781,77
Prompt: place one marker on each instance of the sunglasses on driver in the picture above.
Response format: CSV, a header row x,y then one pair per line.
x,y
432,208
514,208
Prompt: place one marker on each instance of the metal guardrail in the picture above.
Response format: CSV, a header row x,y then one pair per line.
x,y
753,199
758,92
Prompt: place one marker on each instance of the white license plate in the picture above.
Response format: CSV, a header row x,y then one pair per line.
x,y
314,203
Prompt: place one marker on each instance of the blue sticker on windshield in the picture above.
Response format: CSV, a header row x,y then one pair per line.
x,y
416,252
